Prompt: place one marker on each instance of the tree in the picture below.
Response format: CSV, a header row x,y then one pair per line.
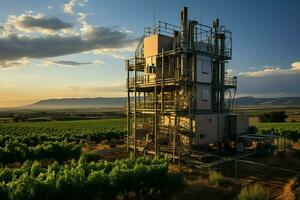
x,y
278,116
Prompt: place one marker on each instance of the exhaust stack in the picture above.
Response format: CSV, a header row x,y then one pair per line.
x,y
184,40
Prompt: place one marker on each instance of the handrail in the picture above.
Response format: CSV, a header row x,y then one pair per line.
x,y
230,81
161,27
139,52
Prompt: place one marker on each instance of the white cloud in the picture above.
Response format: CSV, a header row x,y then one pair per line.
x,y
97,62
34,23
110,52
273,71
118,53
68,7
271,82
85,27
68,63
103,91
8,64
49,7
296,66
37,36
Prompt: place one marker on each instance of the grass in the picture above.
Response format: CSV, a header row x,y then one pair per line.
x,y
33,133
254,192
297,153
279,127
217,179
290,130
255,111
53,127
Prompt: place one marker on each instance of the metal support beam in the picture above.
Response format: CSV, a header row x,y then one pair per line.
x,y
135,109
174,137
153,94
128,105
162,82
222,71
155,119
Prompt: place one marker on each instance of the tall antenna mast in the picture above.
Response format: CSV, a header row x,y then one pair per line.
x,y
154,28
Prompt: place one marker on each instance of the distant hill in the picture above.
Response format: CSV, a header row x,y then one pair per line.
x,y
120,102
80,102
282,101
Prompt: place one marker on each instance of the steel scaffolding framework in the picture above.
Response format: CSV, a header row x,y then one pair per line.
x,y
159,101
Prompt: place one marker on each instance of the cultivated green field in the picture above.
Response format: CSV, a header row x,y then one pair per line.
x,y
44,160
289,130
58,140
278,127
77,129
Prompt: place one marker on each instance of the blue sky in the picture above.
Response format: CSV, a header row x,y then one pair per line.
x,y
88,61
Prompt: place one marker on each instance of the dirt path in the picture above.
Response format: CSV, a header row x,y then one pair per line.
x,y
275,187
201,189
288,193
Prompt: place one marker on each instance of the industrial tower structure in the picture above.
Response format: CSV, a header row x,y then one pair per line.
x,y
179,94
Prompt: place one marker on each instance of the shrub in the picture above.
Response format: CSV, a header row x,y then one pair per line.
x,y
3,192
6,175
19,152
278,116
88,157
172,182
252,129
293,135
297,153
98,185
218,179
88,180
254,192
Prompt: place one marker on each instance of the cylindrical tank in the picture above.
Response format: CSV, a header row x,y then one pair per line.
x,y
184,40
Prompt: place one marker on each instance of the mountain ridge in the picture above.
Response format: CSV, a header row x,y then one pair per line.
x,y
278,101
121,102
81,102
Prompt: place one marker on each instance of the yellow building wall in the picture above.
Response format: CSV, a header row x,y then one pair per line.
x,y
153,46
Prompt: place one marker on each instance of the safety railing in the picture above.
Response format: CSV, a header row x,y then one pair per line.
x,y
202,34
203,37
140,80
161,28
139,52
203,46
149,79
230,81
135,62
150,105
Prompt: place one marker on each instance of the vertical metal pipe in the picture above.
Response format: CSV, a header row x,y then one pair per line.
x,y
155,119
144,100
174,137
222,66
216,74
178,68
139,105
128,105
135,125
184,40
236,168
163,81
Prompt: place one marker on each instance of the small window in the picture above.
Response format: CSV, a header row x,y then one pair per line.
x,y
152,69
205,65
205,94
